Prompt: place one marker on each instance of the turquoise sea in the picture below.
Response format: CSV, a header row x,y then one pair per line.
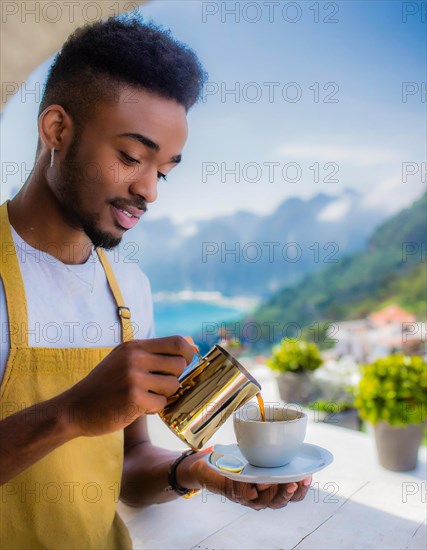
x,y
191,317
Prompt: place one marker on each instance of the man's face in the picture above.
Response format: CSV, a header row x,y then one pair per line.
x,y
111,171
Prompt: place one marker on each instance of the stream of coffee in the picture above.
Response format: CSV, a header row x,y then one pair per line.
x,y
261,406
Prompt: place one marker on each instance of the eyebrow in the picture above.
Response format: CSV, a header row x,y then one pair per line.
x,y
149,143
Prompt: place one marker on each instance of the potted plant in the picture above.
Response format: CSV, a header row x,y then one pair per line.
x,y
333,396
294,360
392,396
339,412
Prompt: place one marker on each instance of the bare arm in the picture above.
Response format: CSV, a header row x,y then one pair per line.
x,y
145,468
30,434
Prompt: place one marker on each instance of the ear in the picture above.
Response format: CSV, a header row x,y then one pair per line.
x,y
56,128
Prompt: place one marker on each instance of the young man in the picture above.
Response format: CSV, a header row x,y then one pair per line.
x,y
73,432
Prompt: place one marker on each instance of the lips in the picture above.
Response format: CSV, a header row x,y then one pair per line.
x,y
127,217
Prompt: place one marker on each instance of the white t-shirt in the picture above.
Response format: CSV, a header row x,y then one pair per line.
x,y
72,305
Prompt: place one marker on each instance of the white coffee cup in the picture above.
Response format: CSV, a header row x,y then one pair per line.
x,y
272,443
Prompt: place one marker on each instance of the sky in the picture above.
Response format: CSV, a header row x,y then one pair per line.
x,y
327,96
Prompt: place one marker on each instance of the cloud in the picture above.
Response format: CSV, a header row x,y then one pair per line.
x,y
360,156
187,229
335,211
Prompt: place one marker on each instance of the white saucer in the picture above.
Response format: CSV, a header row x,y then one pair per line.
x,y
310,459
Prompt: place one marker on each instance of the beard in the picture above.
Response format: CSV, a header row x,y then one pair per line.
x,y
69,194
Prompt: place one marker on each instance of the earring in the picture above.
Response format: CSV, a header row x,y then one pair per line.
x,y
52,156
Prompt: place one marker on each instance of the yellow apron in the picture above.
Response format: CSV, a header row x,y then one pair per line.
x,y
66,500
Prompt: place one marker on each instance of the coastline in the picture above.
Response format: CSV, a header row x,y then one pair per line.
x,y
209,297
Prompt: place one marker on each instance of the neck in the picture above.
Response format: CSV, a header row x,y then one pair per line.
x,y
36,216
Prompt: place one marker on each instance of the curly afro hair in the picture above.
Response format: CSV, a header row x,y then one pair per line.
x,y
97,61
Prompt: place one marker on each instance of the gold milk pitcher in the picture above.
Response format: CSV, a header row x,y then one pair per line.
x,y
210,392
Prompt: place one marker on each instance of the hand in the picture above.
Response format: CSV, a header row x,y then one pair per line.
x,y
134,379
255,495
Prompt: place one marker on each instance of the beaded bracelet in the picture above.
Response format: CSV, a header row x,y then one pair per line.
x,y
173,483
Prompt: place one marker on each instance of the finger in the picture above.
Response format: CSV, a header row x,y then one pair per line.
x,y
307,481
192,344
286,490
164,364
290,488
303,487
267,496
263,486
161,384
151,403
161,364
155,403
248,495
170,345
244,491
280,500
277,496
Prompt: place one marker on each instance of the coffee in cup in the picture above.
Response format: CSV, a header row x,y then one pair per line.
x,y
274,442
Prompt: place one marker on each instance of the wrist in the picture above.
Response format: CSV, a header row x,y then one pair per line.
x,y
63,418
186,471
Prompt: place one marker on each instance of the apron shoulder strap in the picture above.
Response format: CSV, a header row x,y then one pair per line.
x,y
122,311
13,284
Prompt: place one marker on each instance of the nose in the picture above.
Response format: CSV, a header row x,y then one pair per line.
x,y
145,185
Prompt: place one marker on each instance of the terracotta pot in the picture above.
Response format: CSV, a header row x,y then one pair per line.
x,y
295,387
397,446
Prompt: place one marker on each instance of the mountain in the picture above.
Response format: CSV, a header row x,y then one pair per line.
x,y
392,268
248,254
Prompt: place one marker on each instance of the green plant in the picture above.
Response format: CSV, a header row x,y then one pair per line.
x,y
295,356
333,407
235,343
393,389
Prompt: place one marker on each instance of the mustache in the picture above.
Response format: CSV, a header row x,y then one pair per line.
x,y
137,203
